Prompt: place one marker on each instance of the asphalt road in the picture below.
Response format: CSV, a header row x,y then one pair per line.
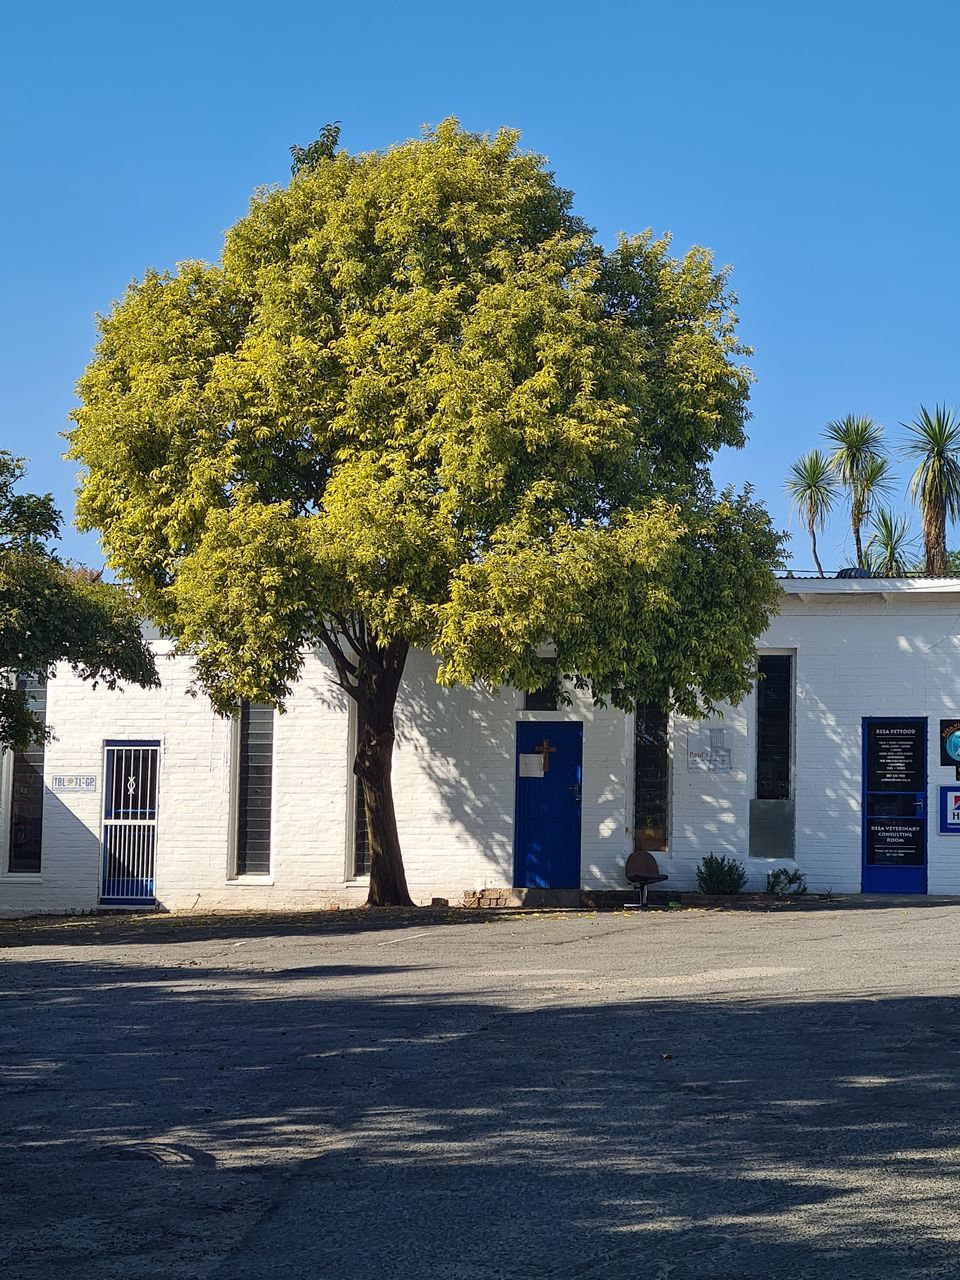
x,y
665,1096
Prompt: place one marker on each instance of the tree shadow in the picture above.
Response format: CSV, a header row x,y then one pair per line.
x,y
162,929
228,1122
454,780
807,902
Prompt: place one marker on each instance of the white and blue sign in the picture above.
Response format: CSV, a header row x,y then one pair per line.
x,y
73,782
950,742
950,811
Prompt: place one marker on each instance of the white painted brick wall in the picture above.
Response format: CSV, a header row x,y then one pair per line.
x,y
454,773
453,784
856,657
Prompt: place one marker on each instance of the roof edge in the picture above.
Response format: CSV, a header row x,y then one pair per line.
x,y
870,586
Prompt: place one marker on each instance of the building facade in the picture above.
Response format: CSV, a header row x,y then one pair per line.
x,y
837,764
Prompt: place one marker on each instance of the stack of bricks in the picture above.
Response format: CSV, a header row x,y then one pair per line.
x,y
488,897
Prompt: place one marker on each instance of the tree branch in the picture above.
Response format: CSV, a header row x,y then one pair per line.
x,y
349,628
347,672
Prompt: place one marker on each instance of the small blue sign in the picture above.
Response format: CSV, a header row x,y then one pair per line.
x,y
950,811
950,743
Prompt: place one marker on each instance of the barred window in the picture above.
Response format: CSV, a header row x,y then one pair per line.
x,y
254,789
361,836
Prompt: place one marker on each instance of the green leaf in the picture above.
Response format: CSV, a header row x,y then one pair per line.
x,y
51,613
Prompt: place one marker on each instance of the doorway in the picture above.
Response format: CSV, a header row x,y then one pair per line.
x,y
894,853
549,777
129,843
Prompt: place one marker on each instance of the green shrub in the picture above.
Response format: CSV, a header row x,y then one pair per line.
x,y
721,875
784,884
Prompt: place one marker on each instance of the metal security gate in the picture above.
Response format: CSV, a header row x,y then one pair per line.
x,y
129,823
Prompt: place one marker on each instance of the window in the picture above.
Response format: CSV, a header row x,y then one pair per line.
x,y
26,793
651,777
547,697
774,717
361,836
254,789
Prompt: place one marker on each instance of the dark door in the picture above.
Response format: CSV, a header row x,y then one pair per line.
x,y
549,778
894,805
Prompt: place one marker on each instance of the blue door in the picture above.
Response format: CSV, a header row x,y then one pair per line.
x,y
549,777
894,805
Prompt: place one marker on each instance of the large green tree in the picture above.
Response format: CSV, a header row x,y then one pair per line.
x,y
416,404
50,613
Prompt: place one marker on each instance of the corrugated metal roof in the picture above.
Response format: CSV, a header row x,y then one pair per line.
x,y
831,574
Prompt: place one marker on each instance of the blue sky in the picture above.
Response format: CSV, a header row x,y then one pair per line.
x,y
812,146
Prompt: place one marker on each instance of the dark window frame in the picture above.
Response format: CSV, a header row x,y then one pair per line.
x,y
774,719
25,793
651,777
361,836
547,696
253,855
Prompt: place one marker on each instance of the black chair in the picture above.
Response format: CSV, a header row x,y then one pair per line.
x,y
642,870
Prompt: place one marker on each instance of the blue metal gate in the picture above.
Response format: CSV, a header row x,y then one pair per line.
x,y
129,846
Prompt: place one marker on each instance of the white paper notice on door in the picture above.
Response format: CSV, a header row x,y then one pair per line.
x,y
531,766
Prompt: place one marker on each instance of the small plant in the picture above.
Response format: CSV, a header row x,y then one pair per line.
x,y
784,883
721,875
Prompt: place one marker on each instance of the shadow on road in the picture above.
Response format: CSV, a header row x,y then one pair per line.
x,y
155,927
161,929
163,1121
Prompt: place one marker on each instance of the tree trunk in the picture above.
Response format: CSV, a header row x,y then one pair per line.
x,y
816,558
376,702
856,519
935,542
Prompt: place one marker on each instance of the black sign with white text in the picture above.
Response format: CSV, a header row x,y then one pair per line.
x,y
895,756
894,842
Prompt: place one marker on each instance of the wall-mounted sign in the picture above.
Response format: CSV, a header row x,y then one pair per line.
x,y
531,764
73,782
950,811
950,742
895,751
707,748
894,842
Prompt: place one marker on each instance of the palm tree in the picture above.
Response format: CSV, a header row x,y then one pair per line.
x,y
887,551
934,443
812,487
860,465
876,481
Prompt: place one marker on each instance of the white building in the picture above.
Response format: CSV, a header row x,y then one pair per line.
x,y
834,768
